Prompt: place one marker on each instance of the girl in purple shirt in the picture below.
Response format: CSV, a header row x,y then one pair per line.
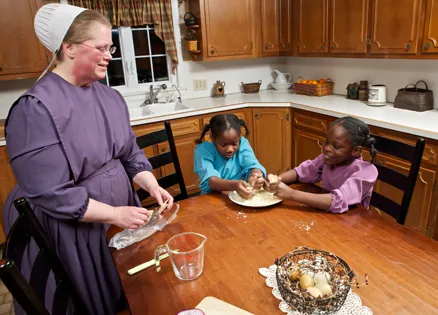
x,y
340,167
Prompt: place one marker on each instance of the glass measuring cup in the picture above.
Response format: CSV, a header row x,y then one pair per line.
x,y
186,252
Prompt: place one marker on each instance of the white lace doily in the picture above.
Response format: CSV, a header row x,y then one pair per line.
x,y
352,305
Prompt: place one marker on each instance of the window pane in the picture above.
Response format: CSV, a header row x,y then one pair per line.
x,y
160,68
115,73
140,39
144,73
157,46
103,81
116,42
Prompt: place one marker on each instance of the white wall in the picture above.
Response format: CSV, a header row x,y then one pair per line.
x,y
395,74
10,91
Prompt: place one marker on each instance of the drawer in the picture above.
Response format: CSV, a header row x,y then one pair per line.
x,y
311,122
179,127
430,154
206,120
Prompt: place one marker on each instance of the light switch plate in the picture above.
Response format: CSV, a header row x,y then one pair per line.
x,y
199,85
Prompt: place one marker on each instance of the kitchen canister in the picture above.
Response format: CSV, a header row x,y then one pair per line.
x,y
377,95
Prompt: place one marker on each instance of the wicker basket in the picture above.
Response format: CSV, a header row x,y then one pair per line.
x,y
340,274
319,89
251,87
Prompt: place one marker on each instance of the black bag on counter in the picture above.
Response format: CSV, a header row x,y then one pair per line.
x,y
414,98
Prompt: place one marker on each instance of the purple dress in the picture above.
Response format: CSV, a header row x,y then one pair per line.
x,y
348,184
68,144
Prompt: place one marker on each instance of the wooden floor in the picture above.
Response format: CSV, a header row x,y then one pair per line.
x,y
6,306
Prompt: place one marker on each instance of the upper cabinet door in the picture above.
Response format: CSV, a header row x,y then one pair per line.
x,y
349,24
270,26
285,25
21,52
312,26
394,26
229,28
430,38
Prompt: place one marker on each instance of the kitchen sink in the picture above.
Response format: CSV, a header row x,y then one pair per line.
x,y
167,108
156,109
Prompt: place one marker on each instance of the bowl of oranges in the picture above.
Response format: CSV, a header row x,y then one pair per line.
x,y
319,87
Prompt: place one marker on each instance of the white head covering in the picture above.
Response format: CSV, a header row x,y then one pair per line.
x,y
52,22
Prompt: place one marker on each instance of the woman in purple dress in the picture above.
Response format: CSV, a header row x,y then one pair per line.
x,y
74,155
340,167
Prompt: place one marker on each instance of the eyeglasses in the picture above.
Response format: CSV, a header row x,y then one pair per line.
x,y
103,50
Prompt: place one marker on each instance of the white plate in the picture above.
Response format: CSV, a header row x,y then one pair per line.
x,y
234,197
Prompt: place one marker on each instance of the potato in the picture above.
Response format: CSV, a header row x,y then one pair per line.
x,y
306,281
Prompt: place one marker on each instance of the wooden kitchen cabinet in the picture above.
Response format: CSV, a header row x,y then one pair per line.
x,y
270,20
21,53
312,26
419,210
226,29
430,35
306,146
395,26
349,26
286,26
272,138
7,182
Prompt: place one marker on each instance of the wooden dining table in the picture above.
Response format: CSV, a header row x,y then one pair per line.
x,y
401,264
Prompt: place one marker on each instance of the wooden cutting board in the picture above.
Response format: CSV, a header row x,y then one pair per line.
x,y
213,306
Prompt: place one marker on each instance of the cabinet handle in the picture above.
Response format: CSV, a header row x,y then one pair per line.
x,y
322,46
333,46
212,51
427,45
1,68
163,150
257,115
266,47
408,46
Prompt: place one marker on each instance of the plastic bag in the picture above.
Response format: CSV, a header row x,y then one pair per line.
x,y
128,237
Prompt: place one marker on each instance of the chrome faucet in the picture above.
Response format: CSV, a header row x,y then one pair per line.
x,y
179,93
153,97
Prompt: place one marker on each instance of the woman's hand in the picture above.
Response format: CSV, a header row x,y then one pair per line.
x,y
161,195
271,182
256,180
243,189
281,190
130,217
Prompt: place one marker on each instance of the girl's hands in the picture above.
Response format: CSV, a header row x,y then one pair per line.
x,y
256,180
161,195
243,189
130,217
271,182
281,190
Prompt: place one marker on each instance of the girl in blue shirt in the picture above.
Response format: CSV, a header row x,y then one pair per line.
x,y
228,162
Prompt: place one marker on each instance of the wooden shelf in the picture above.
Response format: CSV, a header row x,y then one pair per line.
x,y
191,27
194,51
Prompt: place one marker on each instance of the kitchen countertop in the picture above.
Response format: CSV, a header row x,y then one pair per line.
x,y
423,124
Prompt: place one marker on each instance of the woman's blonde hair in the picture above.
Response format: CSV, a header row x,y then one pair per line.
x,y
82,24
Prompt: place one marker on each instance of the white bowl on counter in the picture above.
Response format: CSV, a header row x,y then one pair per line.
x,y
281,86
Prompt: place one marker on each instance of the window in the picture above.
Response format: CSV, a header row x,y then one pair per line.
x,y
140,58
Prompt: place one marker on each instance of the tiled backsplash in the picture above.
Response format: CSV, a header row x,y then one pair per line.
x,y
394,73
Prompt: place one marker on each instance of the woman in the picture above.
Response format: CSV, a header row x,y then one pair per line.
x,y
74,155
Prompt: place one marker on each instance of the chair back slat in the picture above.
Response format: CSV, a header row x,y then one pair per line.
x,y
392,147
161,160
20,289
40,273
164,159
385,204
392,177
16,241
412,154
151,139
31,294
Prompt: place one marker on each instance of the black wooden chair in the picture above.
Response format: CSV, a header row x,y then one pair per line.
x,y
404,183
31,294
163,159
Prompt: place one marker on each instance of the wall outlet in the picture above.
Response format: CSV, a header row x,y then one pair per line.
x,y
199,85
